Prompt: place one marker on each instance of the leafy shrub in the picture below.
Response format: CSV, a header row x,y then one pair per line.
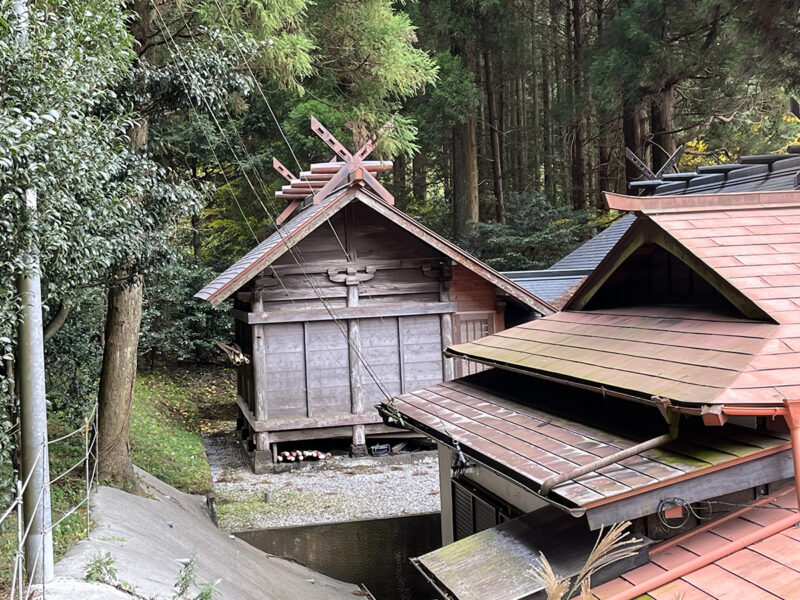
x,y
536,234
175,324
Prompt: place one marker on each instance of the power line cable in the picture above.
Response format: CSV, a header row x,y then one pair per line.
x,y
290,249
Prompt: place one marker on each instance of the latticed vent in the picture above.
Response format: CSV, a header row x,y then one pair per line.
x,y
475,510
462,512
471,326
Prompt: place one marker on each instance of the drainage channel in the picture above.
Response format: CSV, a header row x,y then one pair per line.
x,y
373,552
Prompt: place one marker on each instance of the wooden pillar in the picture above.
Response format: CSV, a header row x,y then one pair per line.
x,y
359,443
259,372
448,372
262,455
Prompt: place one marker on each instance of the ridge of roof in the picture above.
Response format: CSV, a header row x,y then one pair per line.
x,y
758,172
306,221
702,202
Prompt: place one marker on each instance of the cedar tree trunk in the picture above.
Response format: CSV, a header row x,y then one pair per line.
x,y
123,320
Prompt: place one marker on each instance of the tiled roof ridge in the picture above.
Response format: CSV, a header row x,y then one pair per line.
x,y
749,169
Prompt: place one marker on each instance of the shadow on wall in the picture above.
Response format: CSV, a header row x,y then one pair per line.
x,y
374,552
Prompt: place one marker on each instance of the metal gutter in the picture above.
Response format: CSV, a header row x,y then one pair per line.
x,y
649,400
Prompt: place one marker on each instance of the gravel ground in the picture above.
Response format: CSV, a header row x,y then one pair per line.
x,y
346,489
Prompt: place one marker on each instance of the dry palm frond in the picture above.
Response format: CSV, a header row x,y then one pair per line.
x,y
609,548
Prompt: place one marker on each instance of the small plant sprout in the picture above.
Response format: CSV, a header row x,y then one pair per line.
x,y
609,548
100,568
186,580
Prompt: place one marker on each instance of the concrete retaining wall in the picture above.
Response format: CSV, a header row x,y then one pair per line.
x,y
374,552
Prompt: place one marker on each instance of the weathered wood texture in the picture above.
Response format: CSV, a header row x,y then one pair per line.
x,y
358,312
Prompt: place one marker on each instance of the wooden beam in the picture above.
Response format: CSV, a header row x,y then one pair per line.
x,y
447,332
401,359
354,355
259,362
308,293
373,311
262,440
739,477
296,435
358,265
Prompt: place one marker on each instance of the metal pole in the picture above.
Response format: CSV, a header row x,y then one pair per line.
x,y
33,413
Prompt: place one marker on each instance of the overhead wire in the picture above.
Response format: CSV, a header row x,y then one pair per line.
x,y
290,249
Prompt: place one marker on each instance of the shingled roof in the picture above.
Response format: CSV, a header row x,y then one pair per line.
x,y
551,284
323,191
745,246
755,563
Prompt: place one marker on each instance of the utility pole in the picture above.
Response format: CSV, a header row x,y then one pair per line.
x,y
32,397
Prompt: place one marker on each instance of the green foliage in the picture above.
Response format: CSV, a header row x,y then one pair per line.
x,y
73,357
101,568
535,235
186,580
175,325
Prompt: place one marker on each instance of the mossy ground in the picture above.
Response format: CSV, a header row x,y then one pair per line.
x,y
172,406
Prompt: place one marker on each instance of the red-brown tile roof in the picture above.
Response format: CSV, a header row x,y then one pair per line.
x,y
768,569
752,243
536,444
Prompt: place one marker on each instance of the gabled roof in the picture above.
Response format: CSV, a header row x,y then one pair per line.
x,y
745,246
766,569
767,172
554,283
533,436
324,190
315,215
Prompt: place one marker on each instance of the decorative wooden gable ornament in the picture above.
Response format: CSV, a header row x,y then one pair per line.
x,y
323,178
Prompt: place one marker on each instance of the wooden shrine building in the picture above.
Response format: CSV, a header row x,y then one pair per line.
x,y
348,303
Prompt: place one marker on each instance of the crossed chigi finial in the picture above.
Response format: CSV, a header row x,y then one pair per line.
x,y
323,178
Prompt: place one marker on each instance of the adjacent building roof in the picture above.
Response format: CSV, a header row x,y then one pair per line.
x,y
745,246
495,563
768,569
555,283
529,441
760,173
588,255
752,174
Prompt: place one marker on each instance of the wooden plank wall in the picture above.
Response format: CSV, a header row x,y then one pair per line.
x,y
307,363
477,314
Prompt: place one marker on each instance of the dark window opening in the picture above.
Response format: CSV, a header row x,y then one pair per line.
x,y
475,509
652,276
